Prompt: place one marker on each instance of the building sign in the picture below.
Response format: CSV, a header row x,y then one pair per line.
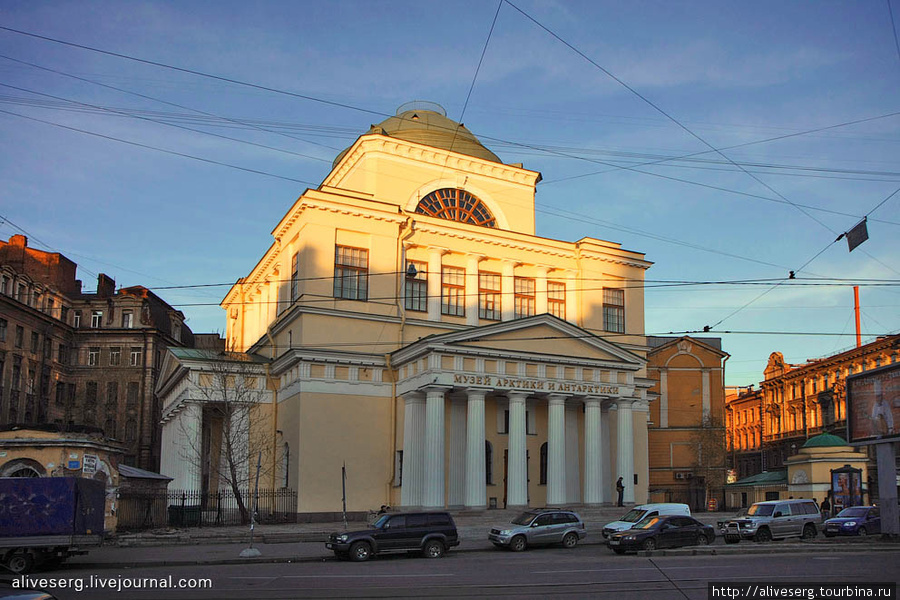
x,y
540,385
90,464
873,406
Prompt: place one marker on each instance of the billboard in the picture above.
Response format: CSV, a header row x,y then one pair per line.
x,y
873,406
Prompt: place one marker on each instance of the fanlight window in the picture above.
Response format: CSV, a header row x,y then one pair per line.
x,y
456,205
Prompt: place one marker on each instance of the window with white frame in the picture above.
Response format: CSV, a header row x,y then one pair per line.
x,y
96,319
93,356
453,291
351,273
295,276
614,310
115,356
415,289
136,356
524,297
127,319
489,296
556,299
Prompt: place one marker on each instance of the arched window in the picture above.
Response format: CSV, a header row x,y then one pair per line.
x,y
456,205
488,463
544,463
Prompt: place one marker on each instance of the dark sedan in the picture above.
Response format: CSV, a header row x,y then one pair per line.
x,y
662,532
856,520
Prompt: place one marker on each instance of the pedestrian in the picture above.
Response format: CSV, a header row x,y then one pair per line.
x,y
826,508
620,490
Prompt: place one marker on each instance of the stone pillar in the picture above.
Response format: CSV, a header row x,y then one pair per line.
x,y
472,297
625,449
540,290
456,496
434,283
573,466
593,453
517,467
411,491
508,292
434,448
556,450
476,495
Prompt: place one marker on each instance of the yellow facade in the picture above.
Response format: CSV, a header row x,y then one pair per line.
x,y
346,364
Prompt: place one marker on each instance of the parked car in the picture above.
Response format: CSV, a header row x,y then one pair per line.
x,y
775,519
856,520
662,532
431,533
721,523
642,511
539,527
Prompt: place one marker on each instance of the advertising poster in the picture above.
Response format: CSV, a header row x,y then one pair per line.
x,y
873,405
846,490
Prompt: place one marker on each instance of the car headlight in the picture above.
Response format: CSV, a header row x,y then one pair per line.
x,y
343,537
630,538
850,524
505,532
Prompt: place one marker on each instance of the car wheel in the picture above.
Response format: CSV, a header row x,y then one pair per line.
x,y
360,551
763,535
518,543
433,549
863,532
703,540
649,545
569,540
20,562
809,531
619,550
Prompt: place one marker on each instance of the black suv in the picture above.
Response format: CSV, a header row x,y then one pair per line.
x,y
431,533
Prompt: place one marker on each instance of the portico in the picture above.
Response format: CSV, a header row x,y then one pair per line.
x,y
459,380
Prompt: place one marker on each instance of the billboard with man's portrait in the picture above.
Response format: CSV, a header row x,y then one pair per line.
x,y
873,406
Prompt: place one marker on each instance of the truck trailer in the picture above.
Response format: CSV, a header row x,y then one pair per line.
x,y
44,520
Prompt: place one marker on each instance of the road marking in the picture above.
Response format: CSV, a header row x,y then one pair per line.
x,y
400,575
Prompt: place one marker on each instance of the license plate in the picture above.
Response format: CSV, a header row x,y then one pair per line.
x,y
614,542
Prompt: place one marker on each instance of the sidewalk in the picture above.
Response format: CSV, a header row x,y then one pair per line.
x,y
304,542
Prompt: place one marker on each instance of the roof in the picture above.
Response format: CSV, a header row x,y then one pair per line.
x,y
764,478
655,341
214,355
135,473
825,440
427,123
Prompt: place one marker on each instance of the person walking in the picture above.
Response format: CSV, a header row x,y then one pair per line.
x,y
825,508
620,490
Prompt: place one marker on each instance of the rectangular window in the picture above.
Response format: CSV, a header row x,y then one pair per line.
x,y
127,319
4,285
131,398
90,392
136,356
20,336
3,326
48,348
524,293
556,299
51,305
76,319
295,277
489,296
16,374
614,310
416,286
21,293
35,342
115,356
351,273
64,314
453,291
112,394
63,354
96,319
93,356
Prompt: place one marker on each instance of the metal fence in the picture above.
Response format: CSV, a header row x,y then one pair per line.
x,y
193,508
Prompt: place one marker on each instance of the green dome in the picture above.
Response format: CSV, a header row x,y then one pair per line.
x,y
427,123
824,440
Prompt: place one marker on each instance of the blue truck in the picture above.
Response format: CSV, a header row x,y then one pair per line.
x,y
44,520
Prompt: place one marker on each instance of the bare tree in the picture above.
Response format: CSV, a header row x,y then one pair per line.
x,y
710,459
236,427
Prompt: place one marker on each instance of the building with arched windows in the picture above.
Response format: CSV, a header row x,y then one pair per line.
x,y
417,331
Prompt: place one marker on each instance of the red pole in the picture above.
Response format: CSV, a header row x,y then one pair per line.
x,y
856,309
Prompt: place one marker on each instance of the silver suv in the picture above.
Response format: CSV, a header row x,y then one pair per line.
x,y
775,519
538,527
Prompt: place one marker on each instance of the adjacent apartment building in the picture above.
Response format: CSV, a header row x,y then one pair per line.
x,y
81,361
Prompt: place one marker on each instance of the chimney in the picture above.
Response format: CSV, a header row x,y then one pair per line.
x,y
106,286
19,240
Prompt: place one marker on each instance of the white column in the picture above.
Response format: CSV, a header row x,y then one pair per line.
x,y
517,475
625,449
191,446
593,452
508,293
413,450
556,451
573,466
456,496
434,448
472,288
540,290
475,467
434,283
663,397
605,453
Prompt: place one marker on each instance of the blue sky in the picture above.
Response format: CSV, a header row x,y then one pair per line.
x,y
729,74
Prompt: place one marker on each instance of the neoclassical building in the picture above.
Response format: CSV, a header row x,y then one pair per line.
x,y
419,332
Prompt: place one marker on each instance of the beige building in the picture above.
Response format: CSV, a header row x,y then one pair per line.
x,y
418,331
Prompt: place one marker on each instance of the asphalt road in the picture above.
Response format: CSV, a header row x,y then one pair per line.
x,y
583,572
